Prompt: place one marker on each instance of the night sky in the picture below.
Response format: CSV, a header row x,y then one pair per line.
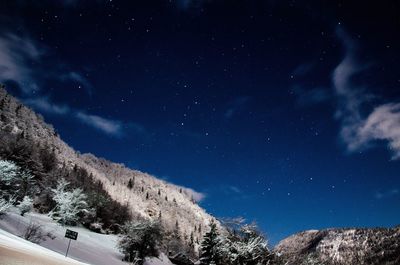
x,y
287,113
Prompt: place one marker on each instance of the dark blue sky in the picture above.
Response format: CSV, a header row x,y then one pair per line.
x,y
285,113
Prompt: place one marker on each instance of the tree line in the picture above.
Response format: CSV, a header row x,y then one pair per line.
x,y
30,175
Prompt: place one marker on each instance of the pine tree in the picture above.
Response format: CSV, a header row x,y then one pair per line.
x,y
191,251
25,205
177,234
209,246
5,205
244,245
191,242
175,243
130,183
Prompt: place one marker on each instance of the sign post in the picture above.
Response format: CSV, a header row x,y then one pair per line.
x,y
71,235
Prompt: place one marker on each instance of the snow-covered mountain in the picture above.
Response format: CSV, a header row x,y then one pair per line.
x,y
147,196
343,246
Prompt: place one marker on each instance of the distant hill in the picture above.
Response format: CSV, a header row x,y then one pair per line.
x,y
374,246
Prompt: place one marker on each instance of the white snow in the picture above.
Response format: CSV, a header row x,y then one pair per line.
x,y
90,247
15,250
161,260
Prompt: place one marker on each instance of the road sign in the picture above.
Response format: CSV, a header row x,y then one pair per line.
x,y
71,234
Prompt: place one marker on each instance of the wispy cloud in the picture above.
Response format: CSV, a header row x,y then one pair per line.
x,y
303,69
108,126
360,130
382,124
45,104
307,97
17,55
187,4
80,79
21,62
231,190
197,196
235,106
234,189
386,194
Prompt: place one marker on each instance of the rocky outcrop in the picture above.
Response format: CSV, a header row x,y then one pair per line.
x,y
377,246
181,259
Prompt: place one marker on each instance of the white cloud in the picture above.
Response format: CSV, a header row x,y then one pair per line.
x,y
350,96
21,61
382,124
18,55
197,196
44,104
358,130
108,126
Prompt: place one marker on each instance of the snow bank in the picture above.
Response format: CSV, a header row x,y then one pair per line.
x,y
90,248
161,260
15,250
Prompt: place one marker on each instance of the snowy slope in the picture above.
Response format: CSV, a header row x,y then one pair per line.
x,y
90,248
15,250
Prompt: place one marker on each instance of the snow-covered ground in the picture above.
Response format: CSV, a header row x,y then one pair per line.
x,y
17,251
90,247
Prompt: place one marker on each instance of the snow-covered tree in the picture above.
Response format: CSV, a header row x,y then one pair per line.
x,y
244,245
25,205
175,243
14,181
312,259
210,246
5,205
69,204
139,240
25,183
8,171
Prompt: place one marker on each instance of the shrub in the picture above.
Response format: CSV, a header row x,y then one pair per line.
x,y
140,239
